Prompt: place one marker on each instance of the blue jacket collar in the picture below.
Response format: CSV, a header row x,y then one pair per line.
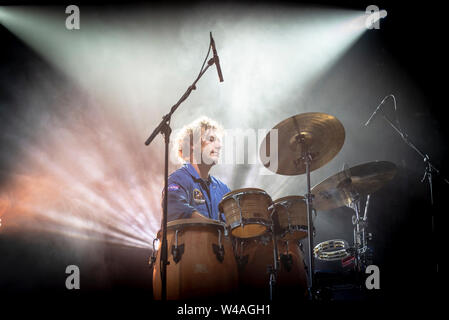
x,y
191,170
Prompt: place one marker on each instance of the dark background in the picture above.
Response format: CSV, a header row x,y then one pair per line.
x,y
32,264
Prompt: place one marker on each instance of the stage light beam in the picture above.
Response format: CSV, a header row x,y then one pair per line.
x,y
130,73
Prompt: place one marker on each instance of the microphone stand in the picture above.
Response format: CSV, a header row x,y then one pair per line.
x,y
430,169
165,130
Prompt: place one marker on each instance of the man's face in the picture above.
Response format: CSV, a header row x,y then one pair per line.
x,y
210,146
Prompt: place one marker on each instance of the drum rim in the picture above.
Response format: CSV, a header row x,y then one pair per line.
x,y
294,228
180,223
283,199
229,195
252,190
258,221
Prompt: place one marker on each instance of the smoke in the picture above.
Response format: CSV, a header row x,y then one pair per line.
x,y
82,168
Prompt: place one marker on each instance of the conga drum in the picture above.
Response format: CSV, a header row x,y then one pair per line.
x,y
255,256
246,212
290,215
201,261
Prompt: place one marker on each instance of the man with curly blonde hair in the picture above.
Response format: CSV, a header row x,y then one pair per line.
x,y
192,191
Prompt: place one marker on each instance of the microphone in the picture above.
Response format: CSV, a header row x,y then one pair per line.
x,y
375,111
216,59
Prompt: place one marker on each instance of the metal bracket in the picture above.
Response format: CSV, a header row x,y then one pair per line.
x,y
242,261
219,252
287,261
237,200
219,249
153,255
177,251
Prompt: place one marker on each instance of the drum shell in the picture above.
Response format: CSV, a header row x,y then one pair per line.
x,y
254,204
198,274
295,215
257,255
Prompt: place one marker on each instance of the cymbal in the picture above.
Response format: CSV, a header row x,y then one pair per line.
x,y
340,189
321,134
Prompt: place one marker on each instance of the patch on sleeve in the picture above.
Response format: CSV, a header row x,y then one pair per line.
x,y
173,187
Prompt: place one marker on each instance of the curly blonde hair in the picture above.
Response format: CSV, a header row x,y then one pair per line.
x,y
191,133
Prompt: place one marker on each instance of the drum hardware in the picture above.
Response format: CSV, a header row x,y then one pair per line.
x,y
177,251
242,261
309,203
153,255
272,282
301,246
218,249
273,270
360,238
237,200
239,257
287,261
347,188
310,141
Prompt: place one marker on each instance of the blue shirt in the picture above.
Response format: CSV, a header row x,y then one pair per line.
x,y
187,192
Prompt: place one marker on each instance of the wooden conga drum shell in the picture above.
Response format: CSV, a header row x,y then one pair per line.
x,y
254,276
292,220
198,274
254,204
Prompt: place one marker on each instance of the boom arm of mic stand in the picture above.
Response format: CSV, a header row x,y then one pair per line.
x,y
167,117
412,145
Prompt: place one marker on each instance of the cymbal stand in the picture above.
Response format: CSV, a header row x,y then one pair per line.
x,y
306,158
360,236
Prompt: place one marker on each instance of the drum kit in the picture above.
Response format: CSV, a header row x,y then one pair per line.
x,y
259,244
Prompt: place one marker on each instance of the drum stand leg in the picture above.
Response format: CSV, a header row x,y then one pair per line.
x,y
360,239
306,159
272,270
310,229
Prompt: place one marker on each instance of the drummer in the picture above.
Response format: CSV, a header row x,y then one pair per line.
x,y
192,191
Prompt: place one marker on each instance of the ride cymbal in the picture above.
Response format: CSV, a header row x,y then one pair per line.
x,y
318,134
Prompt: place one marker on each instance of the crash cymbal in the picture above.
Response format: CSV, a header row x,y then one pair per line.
x,y
340,189
321,134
